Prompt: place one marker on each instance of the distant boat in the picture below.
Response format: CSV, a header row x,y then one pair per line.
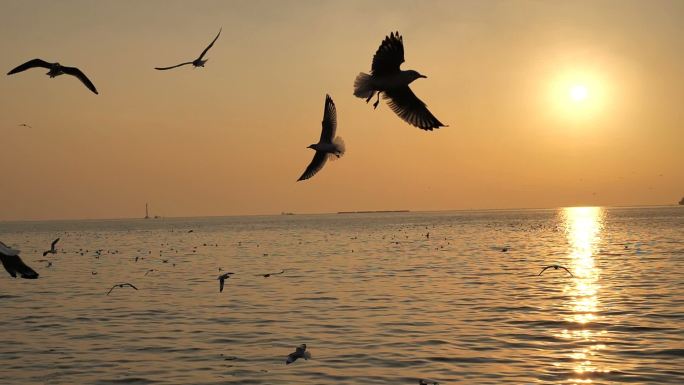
x,y
147,212
681,202
373,211
286,213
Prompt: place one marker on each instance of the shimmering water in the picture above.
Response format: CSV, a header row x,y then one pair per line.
x,y
375,299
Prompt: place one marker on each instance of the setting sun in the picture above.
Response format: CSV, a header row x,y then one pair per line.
x,y
579,92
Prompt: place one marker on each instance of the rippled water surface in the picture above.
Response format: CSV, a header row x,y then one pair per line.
x,y
376,300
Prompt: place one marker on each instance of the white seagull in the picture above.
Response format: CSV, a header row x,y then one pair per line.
x,y
555,267
388,79
55,69
300,352
13,264
197,62
52,250
328,145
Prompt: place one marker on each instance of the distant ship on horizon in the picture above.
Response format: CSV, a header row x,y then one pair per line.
x,y
681,202
147,212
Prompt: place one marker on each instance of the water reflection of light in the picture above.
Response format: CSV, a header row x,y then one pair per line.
x,y
583,230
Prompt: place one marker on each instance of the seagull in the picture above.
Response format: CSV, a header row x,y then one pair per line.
x,y
52,248
55,69
121,285
555,267
13,264
197,62
388,79
328,145
222,279
300,352
24,125
423,382
270,274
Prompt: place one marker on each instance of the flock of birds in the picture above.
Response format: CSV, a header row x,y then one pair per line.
x,y
386,78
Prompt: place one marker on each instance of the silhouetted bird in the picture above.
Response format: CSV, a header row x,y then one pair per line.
x,y
387,78
13,264
328,145
555,267
24,125
52,250
270,274
55,69
221,278
300,352
121,285
197,62
423,382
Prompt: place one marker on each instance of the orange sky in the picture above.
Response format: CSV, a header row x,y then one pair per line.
x,y
231,138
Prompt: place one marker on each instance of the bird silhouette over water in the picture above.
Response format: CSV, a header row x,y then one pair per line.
x,y
197,62
121,285
328,145
388,79
55,69
13,264
222,278
270,274
52,250
423,382
555,267
300,352
24,125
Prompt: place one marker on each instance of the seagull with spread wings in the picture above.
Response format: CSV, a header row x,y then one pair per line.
x,y
388,79
121,285
53,249
222,280
55,69
300,352
555,267
197,62
13,264
328,145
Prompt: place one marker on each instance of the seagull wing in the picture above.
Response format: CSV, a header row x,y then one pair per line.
x,y
168,68
210,45
52,245
315,166
13,264
73,71
110,290
329,122
128,284
30,64
564,268
292,357
221,282
543,270
411,109
389,56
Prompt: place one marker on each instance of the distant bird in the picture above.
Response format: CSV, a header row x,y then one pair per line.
x,y
555,267
197,62
13,264
24,125
222,279
387,78
49,264
423,382
121,285
149,271
504,250
52,250
270,274
300,352
328,145
55,69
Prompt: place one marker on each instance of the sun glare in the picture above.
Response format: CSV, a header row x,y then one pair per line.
x,y
579,92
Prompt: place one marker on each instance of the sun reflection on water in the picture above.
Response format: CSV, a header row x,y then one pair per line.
x,y
583,230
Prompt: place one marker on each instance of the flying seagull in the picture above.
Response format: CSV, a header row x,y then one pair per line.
x,y
13,264
300,352
52,250
423,382
270,274
388,79
121,285
197,62
55,69
555,267
328,145
221,278
25,125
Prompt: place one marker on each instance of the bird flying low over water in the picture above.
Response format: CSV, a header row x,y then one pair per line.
x,y
121,285
55,69
197,62
222,278
555,267
13,264
328,145
300,352
270,274
423,382
388,79
52,250
25,125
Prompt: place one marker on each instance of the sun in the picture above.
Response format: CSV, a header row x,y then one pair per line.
x,y
578,92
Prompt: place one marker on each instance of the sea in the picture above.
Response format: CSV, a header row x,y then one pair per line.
x,y
453,297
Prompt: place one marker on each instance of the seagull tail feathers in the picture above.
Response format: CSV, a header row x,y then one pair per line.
x,y
362,86
341,148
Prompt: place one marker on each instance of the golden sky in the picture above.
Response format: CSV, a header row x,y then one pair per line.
x,y
231,138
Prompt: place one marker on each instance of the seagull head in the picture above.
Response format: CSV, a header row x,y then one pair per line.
x,y
311,146
413,75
